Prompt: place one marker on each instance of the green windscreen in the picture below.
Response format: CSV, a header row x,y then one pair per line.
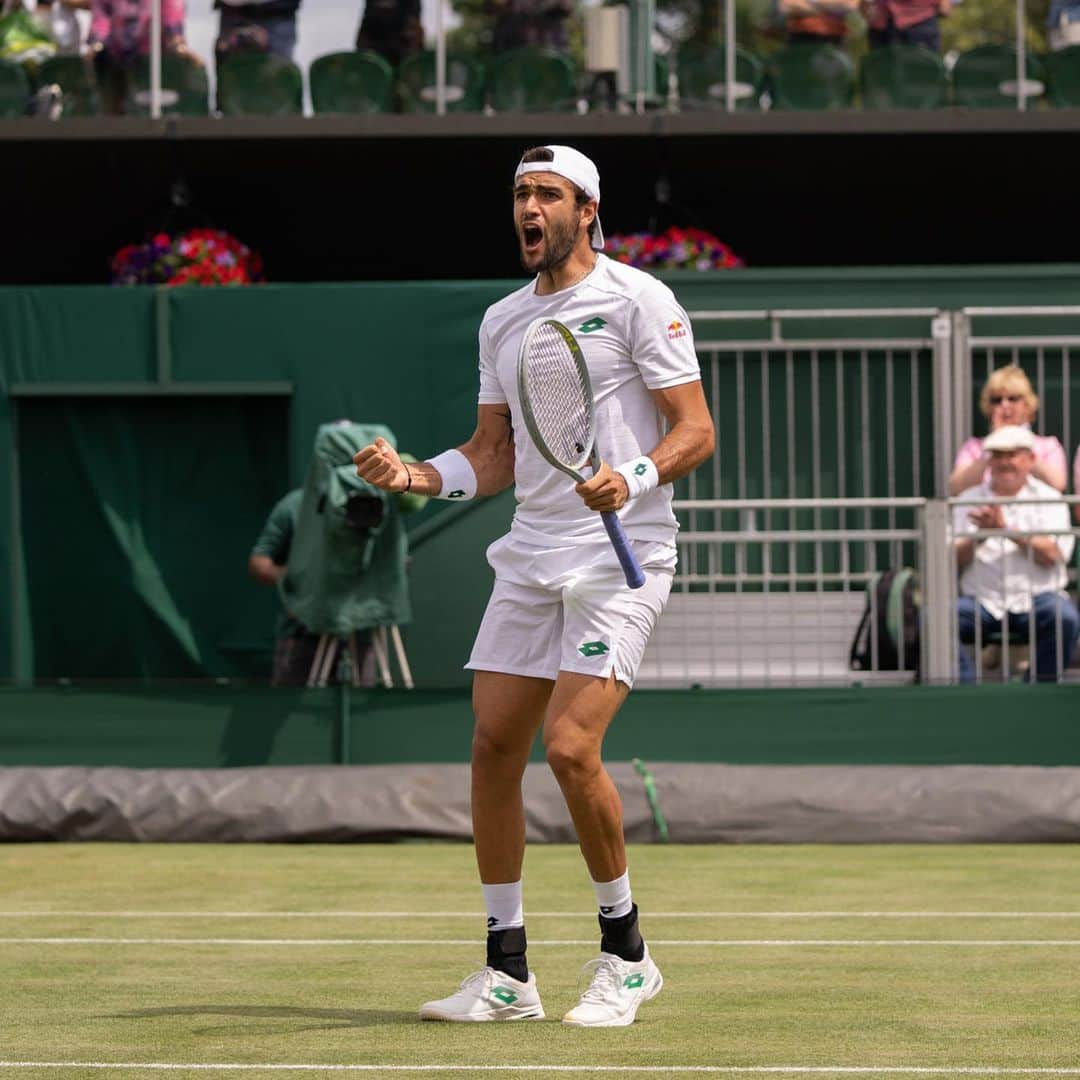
x,y
138,516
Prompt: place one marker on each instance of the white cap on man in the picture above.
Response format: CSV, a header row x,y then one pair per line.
x,y
574,166
1010,437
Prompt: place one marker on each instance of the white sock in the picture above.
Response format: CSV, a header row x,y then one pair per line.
x,y
503,905
613,897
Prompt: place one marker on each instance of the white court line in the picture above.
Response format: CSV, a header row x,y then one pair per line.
x,y
739,1070
472,942
537,914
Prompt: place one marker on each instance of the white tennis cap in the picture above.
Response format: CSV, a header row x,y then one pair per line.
x,y
574,166
1010,437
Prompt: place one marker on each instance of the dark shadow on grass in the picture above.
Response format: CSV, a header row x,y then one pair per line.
x,y
341,1018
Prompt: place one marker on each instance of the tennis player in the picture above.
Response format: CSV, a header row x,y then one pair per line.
x,y
563,635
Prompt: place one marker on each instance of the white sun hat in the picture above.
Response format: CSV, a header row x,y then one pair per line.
x,y
574,166
1010,437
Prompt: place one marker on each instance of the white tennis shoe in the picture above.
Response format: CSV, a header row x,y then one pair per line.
x,y
617,989
488,995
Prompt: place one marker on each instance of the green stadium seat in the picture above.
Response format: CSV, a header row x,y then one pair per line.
x,y
259,84
1063,77
185,90
14,89
902,77
75,77
985,78
809,76
416,83
532,80
351,82
703,71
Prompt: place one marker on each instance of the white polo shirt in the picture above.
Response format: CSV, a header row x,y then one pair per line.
x,y
635,337
1001,575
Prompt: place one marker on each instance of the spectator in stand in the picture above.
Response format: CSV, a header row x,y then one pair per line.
x,y
267,26
391,28
1063,24
120,34
520,23
905,22
1007,400
1007,581
817,22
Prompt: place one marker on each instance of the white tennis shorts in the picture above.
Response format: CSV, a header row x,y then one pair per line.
x,y
584,619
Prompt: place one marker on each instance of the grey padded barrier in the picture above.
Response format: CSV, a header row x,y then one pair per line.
x,y
701,804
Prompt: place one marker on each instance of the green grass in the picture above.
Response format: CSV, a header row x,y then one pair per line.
x,y
937,1006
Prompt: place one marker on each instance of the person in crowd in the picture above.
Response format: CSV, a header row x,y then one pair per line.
x,y
1063,24
1006,581
391,28
905,22
817,22
1008,400
294,644
520,23
120,35
267,26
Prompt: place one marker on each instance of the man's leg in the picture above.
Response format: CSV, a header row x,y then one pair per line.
x,y
1055,634
968,610
624,977
509,710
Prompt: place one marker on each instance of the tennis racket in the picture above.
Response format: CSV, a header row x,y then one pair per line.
x,y
557,403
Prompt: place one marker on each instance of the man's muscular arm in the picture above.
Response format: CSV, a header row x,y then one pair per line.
x,y
490,452
690,440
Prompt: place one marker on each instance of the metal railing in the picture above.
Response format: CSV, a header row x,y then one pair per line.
x,y
817,597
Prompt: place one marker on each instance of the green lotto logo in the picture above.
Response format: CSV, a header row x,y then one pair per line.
x,y
595,323
592,648
501,993
632,982
641,470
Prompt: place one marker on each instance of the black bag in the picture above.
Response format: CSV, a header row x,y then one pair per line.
x,y
892,618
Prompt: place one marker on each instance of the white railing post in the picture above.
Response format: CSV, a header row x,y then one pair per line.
x,y
155,59
941,329
938,586
729,55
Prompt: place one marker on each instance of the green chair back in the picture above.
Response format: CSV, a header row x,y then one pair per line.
x,y
259,84
1063,77
75,77
809,76
985,78
532,80
185,90
14,89
902,77
416,83
703,74
351,82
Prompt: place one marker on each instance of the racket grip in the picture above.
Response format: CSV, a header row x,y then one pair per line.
x,y
635,576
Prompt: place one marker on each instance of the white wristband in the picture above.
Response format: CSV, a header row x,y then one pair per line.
x,y
458,478
640,475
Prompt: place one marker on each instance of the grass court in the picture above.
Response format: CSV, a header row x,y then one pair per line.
x,y
311,960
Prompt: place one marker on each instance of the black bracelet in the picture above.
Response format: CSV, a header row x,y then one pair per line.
x,y
408,486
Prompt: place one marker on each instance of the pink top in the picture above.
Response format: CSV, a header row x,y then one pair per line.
x,y
904,13
1048,449
123,26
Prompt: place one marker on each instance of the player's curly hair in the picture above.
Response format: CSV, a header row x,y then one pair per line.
x,y
542,153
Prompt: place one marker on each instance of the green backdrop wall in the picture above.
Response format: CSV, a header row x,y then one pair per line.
x,y
145,433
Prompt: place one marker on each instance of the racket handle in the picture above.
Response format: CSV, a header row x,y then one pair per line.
x,y
635,576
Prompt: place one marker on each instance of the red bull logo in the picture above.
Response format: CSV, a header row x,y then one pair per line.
x,y
675,330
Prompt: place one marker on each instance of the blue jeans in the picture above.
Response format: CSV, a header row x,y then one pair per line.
x,y
1050,650
280,30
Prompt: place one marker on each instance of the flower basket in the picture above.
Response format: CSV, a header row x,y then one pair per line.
x,y
674,249
195,257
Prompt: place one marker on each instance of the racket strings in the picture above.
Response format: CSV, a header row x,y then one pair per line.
x,y
559,397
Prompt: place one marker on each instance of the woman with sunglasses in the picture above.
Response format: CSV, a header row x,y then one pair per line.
x,y
1008,399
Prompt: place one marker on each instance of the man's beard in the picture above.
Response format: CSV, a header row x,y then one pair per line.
x,y
559,243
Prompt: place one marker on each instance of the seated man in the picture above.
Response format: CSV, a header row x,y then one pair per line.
x,y
1004,579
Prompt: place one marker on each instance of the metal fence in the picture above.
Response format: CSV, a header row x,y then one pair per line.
x,y
802,605
836,433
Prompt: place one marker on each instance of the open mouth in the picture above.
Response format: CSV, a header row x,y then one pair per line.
x,y
531,235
